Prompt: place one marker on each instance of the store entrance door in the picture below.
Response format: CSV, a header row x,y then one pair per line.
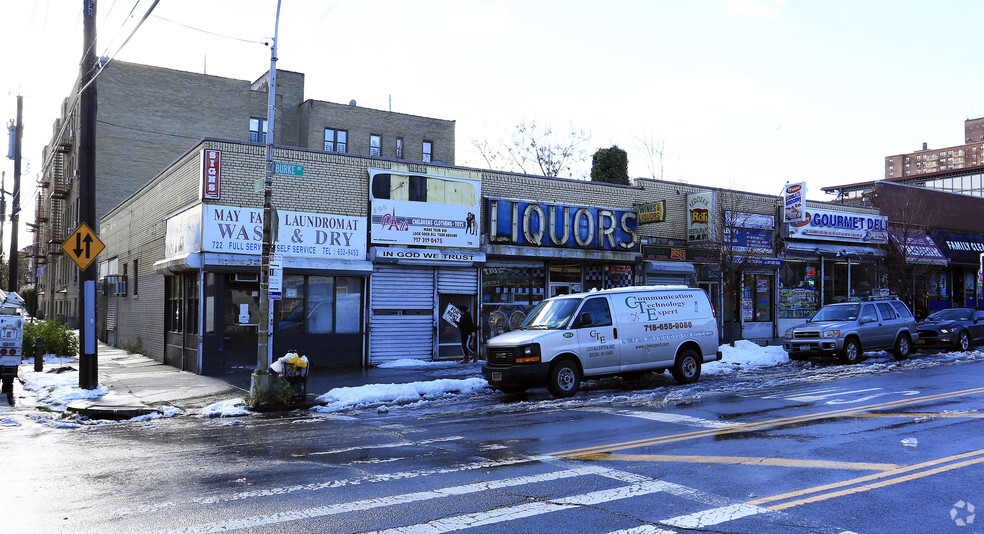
x,y
449,335
242,316
564,288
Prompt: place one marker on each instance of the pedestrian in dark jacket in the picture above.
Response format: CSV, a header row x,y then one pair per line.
x,y
466,326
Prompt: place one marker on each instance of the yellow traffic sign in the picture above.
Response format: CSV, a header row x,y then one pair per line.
x,y
83,246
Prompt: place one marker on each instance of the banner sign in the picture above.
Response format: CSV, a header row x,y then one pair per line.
x,y
749,241
421,209
238,230
652,213
691,254
183,233
699,209
211,173
840,226
794,202
541,224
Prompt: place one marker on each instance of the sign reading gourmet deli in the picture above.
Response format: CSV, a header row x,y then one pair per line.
x,y
421,209
238,230
840,226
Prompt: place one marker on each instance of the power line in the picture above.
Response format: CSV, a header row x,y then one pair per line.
x,y
128,37
183,25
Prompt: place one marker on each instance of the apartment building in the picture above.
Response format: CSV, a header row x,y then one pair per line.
x,y
148,117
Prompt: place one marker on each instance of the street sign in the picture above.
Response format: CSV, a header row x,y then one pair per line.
x,y
276,280
83,246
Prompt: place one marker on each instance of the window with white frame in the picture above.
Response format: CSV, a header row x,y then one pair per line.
x,y
428,152
257,130
399,148
375,145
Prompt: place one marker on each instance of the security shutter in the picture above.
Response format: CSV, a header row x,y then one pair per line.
x,y
463,281
401,320
665,279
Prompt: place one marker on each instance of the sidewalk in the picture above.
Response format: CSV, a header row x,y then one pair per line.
x,y
139,385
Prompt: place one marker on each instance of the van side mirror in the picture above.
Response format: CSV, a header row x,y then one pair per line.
x,y
584,320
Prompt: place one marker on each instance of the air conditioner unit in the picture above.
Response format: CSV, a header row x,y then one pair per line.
x,y
246,277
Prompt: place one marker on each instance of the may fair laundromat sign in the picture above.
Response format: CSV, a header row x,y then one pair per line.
x,y
840,226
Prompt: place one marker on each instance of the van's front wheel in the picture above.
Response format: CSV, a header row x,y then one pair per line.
x,y
686,370
565,379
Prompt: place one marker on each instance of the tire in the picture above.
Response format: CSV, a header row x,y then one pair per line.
x,y
7,385
686,369
903,347
565,379
851,353
963,343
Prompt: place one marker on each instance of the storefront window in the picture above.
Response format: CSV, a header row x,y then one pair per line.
x,y
513,284
799,289
172,297
326,305
756,299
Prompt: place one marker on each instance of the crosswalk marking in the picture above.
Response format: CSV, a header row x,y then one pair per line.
x,y
715,516
663,417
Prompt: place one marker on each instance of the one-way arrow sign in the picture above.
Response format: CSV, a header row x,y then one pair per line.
x,y
83,246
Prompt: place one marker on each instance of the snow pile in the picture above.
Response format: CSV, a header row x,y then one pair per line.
x,y
226,408
340,398
163,411
745,355
57,389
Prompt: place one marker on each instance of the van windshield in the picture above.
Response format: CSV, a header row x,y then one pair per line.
x,y
551,314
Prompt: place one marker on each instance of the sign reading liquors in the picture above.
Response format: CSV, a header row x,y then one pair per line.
x,y
239,230
518,222
840,226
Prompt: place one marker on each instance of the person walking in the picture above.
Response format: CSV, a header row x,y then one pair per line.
x,y
466,326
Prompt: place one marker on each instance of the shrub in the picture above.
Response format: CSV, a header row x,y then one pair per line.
x,y
56,336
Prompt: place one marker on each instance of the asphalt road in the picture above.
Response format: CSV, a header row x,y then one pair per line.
x,y
780,455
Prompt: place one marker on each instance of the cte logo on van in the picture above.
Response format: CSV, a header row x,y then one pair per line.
x,y
597,336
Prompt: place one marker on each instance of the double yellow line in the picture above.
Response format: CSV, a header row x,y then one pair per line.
x,y
746,427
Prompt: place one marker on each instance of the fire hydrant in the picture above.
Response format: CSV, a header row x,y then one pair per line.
x,y
38,355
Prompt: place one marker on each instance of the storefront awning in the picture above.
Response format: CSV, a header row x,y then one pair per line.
x,y
959,248
247,262
833,250
919,248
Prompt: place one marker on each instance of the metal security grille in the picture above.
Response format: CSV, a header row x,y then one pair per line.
x,y
665,279
461,281
401,315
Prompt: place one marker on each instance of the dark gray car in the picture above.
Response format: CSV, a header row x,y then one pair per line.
x,y
849,329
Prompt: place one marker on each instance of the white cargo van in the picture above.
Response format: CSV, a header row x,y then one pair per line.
x,y
614,332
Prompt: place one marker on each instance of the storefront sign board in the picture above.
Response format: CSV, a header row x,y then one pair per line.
x,y
541,224
652,213
422,209
690,254
429,255
794,202
211,173
700,209
833,225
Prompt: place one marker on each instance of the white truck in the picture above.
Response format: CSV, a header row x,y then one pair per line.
x,y
11,338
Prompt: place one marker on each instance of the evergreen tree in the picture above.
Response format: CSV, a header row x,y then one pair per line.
x,y
610,165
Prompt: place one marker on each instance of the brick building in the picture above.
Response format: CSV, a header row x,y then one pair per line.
x,y
149,116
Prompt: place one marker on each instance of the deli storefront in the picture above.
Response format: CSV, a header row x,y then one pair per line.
x,y
538,250
830,256
211,287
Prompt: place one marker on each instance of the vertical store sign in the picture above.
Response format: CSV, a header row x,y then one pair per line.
x,y
794,204
699,208
211,173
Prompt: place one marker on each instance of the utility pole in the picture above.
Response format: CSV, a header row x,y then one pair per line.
x,y
260,380
88,357
15,202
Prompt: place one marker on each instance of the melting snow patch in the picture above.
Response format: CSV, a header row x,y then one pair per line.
x,y
745,355
59,388
910,442
340,398
409,363
226,408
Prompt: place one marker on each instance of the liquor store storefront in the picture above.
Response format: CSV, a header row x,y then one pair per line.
x,y
539,250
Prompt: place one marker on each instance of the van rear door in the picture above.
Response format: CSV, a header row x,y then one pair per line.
x,y
596,336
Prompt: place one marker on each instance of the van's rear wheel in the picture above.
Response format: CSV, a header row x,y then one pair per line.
x,y
565,379
686,369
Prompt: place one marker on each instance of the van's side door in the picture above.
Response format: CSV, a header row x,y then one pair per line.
x,y
596,336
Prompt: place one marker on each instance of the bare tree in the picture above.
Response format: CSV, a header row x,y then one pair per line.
x,y
652,151
539,150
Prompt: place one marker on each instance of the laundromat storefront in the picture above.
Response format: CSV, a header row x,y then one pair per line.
x,y
211,267
425,253
539,250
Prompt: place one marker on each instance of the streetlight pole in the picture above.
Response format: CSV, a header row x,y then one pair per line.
x,y
260,380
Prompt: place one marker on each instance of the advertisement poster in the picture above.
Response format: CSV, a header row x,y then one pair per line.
x,y
794,197
699,209
418,209
183,233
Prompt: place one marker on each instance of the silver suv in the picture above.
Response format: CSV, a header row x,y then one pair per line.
x,y
851,328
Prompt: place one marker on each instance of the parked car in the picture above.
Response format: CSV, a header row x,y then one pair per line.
x,y
952,328
849,329
614,332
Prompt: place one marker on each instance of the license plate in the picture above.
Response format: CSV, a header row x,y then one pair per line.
x,y
497,377
803,347
920,342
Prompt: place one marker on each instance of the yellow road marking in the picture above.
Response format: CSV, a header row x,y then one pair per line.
x,y
740,460
573,453
869,478
921,414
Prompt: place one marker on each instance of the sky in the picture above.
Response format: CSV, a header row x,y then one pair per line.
x,y
744,94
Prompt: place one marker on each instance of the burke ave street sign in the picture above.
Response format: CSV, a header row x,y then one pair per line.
x,y
83,246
